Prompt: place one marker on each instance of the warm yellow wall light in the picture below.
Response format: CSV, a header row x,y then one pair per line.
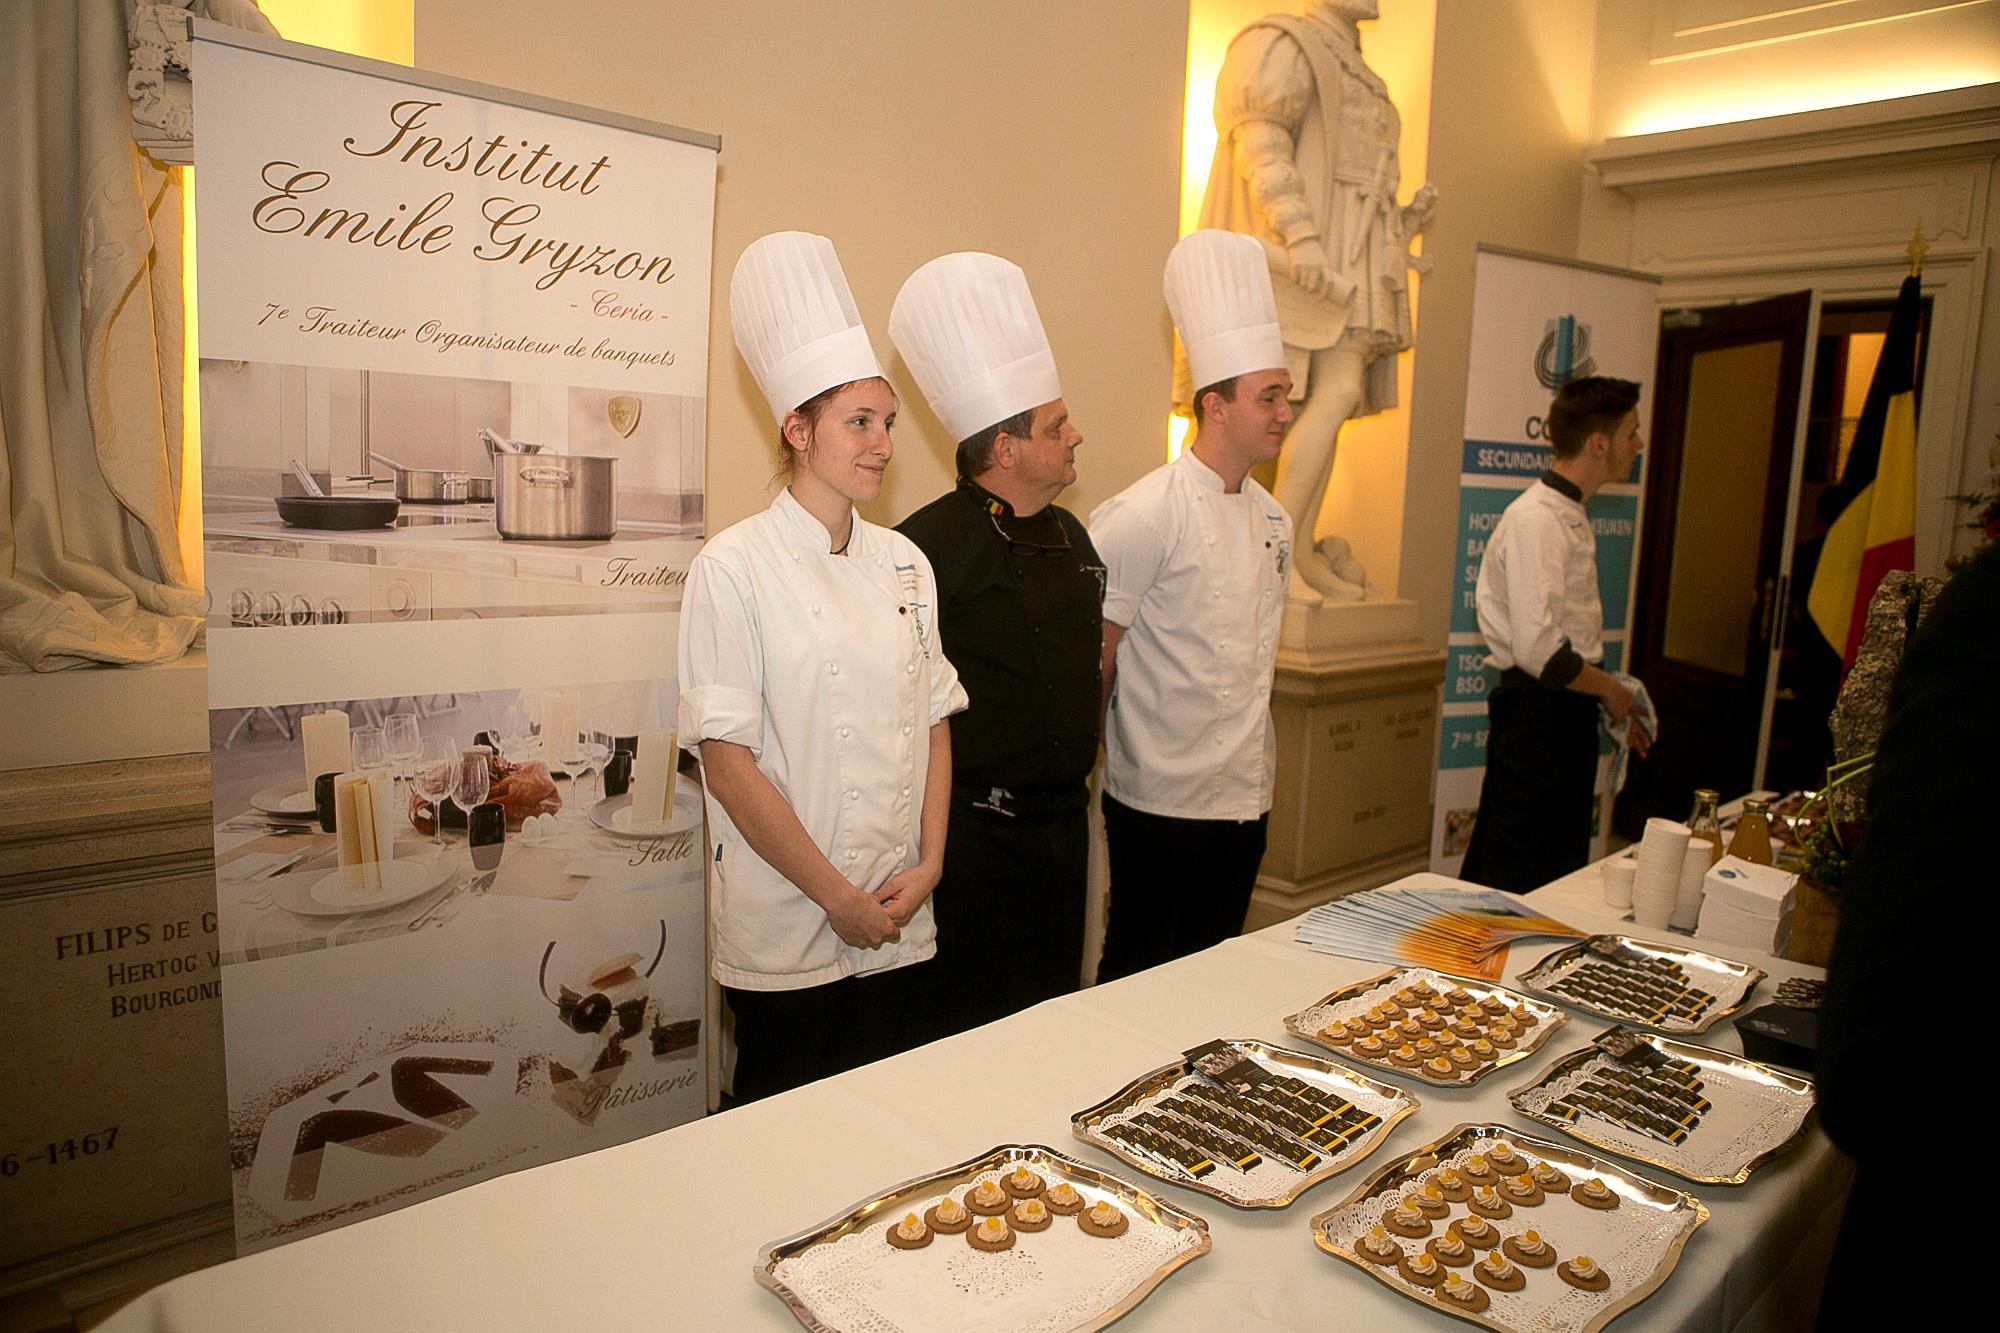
x,y
379,29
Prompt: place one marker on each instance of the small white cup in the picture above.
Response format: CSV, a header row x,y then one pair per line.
x,y
1694,869
1619,874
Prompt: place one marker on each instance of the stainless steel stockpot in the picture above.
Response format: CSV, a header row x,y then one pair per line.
x,y
555,497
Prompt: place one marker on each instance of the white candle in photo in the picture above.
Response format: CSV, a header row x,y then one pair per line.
x,y
653,778
558,721
324,736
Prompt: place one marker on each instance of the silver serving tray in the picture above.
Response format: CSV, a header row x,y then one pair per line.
x,y
1551,1017
1309,1068
1047,1161
1633,1190
1724,977
1717,1066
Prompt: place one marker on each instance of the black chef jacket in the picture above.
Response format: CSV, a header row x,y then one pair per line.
x,y
1020,613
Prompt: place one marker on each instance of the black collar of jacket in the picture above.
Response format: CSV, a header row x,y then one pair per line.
x,y
1562,485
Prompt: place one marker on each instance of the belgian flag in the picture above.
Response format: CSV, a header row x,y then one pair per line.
x,y
1876,531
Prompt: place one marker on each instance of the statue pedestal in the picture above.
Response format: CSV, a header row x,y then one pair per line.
x,y
1355,704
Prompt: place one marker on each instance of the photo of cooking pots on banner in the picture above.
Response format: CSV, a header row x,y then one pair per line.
x,y
372,818
462,496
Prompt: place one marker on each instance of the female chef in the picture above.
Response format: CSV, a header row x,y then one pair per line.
x,y
814,690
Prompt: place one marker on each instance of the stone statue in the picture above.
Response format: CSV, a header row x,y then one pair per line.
x,y
1305,162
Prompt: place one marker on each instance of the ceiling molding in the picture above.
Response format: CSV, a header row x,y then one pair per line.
x,y
1959,118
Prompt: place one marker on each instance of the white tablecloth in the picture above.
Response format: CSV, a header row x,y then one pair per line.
x,y
662,1232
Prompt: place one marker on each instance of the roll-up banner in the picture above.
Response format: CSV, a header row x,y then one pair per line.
x,y
459,885
1537,322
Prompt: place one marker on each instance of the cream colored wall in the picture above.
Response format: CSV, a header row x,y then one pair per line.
x,y
1779,56
1045,131
1510,100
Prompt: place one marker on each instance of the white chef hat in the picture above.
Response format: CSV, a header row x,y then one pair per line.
x,y
795,320
1219,291
967,325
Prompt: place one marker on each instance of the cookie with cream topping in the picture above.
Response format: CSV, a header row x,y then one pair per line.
x,y
1377,1248
1062,1199
988,1199
1497,1272
1583,1272
912,1233
1530,1249
991,1235
1594,1193
1421,1268
1031,1215
948,1215
1458,1294
1450,1248
1022,1183
1103,1218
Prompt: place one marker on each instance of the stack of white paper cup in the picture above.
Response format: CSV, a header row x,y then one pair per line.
x,y
1656,886
1687,894
1619,872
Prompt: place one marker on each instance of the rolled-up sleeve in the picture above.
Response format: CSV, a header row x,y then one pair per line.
x,y
1534,581
1132,551
947,695
721,659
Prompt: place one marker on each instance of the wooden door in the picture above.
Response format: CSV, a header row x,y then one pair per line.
x,y
1708,608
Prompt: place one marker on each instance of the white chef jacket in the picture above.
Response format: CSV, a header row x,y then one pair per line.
x,y
1538,583
1197,578
827,667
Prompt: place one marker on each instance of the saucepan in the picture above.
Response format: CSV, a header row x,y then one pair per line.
x,y
555,497
496,443
425,485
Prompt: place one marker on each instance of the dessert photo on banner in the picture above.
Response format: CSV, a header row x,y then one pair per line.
x,y
363,1084
368,819
335,496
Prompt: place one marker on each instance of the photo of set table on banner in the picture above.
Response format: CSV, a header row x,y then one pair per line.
x,y
357,820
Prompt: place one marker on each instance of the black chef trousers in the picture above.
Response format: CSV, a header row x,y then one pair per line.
x,y
1541,778
1009,909
788,1038
1177,885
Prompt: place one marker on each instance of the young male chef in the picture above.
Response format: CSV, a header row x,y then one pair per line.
x,y
1019,589
1544,626
1197,553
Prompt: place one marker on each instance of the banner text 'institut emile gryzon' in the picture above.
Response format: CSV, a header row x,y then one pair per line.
x,y
453,940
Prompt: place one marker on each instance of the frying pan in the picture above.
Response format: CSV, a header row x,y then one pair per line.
x,y
340,513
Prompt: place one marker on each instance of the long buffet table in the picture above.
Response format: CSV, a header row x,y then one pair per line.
x,y
663,1231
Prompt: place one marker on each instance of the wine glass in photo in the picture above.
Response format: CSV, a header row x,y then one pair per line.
x,y
599,754
437,778
368,749
475,780
573,751
403,741
514,730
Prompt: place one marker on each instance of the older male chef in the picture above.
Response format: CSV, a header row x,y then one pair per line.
x,y
1019,594
1197,554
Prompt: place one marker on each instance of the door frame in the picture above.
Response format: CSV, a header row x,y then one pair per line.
x,y
1655,588
1955,282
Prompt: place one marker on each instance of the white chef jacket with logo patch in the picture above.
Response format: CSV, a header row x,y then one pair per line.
x,y
1197,578
1538,583
827,668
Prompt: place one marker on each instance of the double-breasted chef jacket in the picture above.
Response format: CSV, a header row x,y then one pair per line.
x,y
1537,596
1196,576
828,669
